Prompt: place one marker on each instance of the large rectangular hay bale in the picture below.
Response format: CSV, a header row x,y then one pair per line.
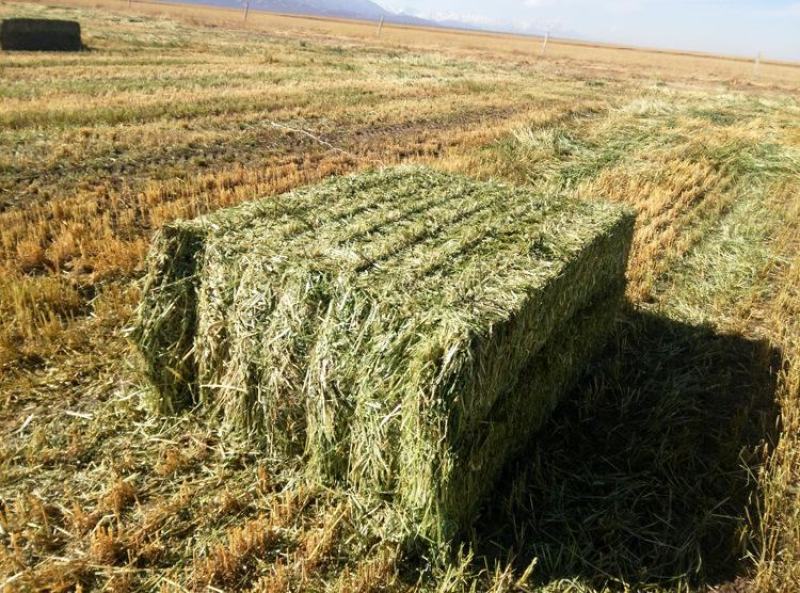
x,y
40,35
406,331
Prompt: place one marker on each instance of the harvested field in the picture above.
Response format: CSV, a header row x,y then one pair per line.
x,y
671,466
376,324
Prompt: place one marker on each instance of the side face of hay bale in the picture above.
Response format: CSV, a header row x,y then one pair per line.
x,y
405,331
40,35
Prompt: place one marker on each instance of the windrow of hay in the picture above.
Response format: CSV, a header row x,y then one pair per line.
x,y
404,330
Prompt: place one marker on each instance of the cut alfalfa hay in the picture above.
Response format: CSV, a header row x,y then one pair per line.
x,y
405,331
40,35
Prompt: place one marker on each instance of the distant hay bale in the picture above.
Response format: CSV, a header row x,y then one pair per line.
x,y
405,331
40,35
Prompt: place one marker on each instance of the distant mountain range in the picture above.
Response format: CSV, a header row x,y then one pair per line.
x,y
349,9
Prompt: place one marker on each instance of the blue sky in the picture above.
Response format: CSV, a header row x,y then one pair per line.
x,y
741,27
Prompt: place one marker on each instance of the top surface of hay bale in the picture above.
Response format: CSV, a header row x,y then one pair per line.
x,y
40,35
376,321
414,238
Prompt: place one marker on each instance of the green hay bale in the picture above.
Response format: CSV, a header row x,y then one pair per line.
x,y
40,35
377,324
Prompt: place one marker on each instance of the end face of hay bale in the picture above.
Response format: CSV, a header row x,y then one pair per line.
x,y
470,465
40,35
405,331
167,315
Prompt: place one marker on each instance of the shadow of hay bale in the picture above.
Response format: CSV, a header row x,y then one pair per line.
x,y
646,474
